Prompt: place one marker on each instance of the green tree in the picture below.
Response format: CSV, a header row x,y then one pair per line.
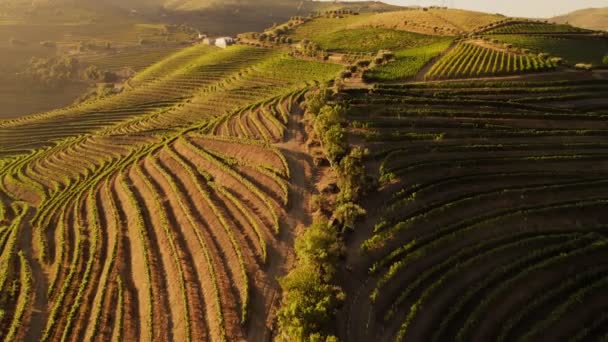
x,y
310,301
309,306
320,247
348,214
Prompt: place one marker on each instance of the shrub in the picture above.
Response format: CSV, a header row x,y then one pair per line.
x,y
363,63
346,74
583,66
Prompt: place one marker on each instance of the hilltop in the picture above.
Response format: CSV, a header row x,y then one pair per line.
x,y
591,18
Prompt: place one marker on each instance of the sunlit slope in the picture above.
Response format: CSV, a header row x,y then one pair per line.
x,y
431,21
152,214
591,18
195,84
490,222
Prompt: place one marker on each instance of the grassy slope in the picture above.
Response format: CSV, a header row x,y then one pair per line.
x,y
449,21
348,34
591,18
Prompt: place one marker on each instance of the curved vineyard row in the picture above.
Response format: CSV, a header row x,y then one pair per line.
x,y
470,60
212,227
534,28
143,215
492,218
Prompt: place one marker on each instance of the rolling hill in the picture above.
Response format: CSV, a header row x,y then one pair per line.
x,y
591,18
353,174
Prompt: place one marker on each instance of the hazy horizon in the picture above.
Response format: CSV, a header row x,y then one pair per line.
x,y
520,8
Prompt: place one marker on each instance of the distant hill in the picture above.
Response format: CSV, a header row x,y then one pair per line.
x,y
591,18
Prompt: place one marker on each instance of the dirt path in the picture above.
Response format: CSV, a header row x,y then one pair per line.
x,y
39,312
281,258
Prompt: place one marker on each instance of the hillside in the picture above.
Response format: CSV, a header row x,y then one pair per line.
x,y
350,174
591,18
198,267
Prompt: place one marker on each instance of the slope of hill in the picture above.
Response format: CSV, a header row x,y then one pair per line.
x,y
591,18
159,212
489,222
431,21
308,183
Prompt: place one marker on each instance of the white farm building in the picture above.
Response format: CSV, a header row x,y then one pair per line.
x,y
224,42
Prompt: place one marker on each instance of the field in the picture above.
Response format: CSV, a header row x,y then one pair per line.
x,y
370,32
408,62
489,223
136,219
573,50
470,60
369,40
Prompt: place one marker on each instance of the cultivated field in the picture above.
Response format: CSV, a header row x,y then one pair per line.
x,y
157,213
471,59
490,219
446,181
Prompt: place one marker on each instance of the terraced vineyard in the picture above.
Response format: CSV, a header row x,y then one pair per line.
x,y
534,28
184,89
136,59
253,194
573,50
145,215
470,60
490,223
431,21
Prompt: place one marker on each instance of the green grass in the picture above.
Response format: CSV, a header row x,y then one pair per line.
x,y
408,62
337,35
572,50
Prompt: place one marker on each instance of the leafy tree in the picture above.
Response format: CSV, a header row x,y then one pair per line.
x,y
348,213
317,100
352,176
309,306
310,301
320,248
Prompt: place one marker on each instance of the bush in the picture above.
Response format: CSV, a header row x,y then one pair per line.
x,y
583,66
363,63
346,74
